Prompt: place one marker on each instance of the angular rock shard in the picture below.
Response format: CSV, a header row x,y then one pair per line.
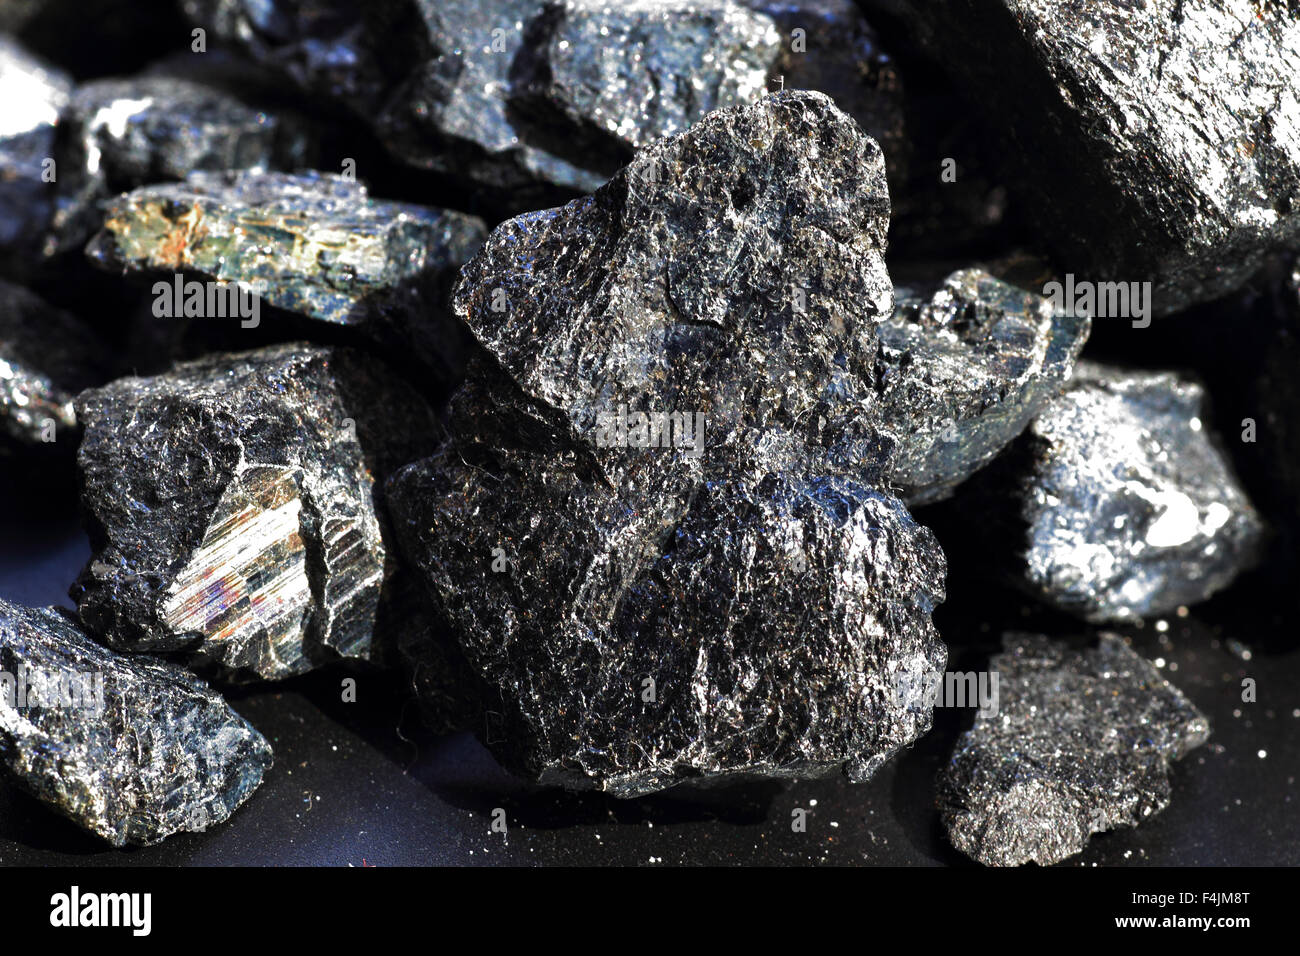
x,y
616,77
46,357
431,78
122,134
233,511
313,244
130,748
1165,133
649,527
38,94
1129,508
1081,743
964,371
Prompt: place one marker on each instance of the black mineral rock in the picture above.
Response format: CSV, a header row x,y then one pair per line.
x,y
312,244
1156,141
656,527
964,371
131,748
1128,507
233,509
1080,742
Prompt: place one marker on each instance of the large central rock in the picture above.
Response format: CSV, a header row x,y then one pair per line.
x,y
654,524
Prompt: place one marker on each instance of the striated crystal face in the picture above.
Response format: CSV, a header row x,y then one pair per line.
x,y
1080,742
654,602
131,748
234,509
965,371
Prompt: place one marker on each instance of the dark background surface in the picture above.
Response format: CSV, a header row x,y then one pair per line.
x,y
360,784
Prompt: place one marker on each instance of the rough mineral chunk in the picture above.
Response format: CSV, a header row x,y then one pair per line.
x,y
1081,743
122,134
313,244
46,357
649,527
622,75
35,96
1130,509
130,748
1165,133
233,510
432,78
963,373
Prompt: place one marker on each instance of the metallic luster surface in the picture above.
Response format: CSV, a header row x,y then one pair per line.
x,y
121,134
314,244
622,75
1159,141
649,615
1130,508
130,748
1081,743
233,509
47,356
430,76
963,373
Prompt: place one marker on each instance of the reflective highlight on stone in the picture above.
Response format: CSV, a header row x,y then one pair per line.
x,y
433,79
232,507
1081,743
313,244
122,134
964,371
1130,508
130,748
621,75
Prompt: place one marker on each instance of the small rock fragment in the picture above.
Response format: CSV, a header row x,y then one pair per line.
x,y
130,748
1130,509
653,527
232,507
964,371
313,244
1081,742
46,357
